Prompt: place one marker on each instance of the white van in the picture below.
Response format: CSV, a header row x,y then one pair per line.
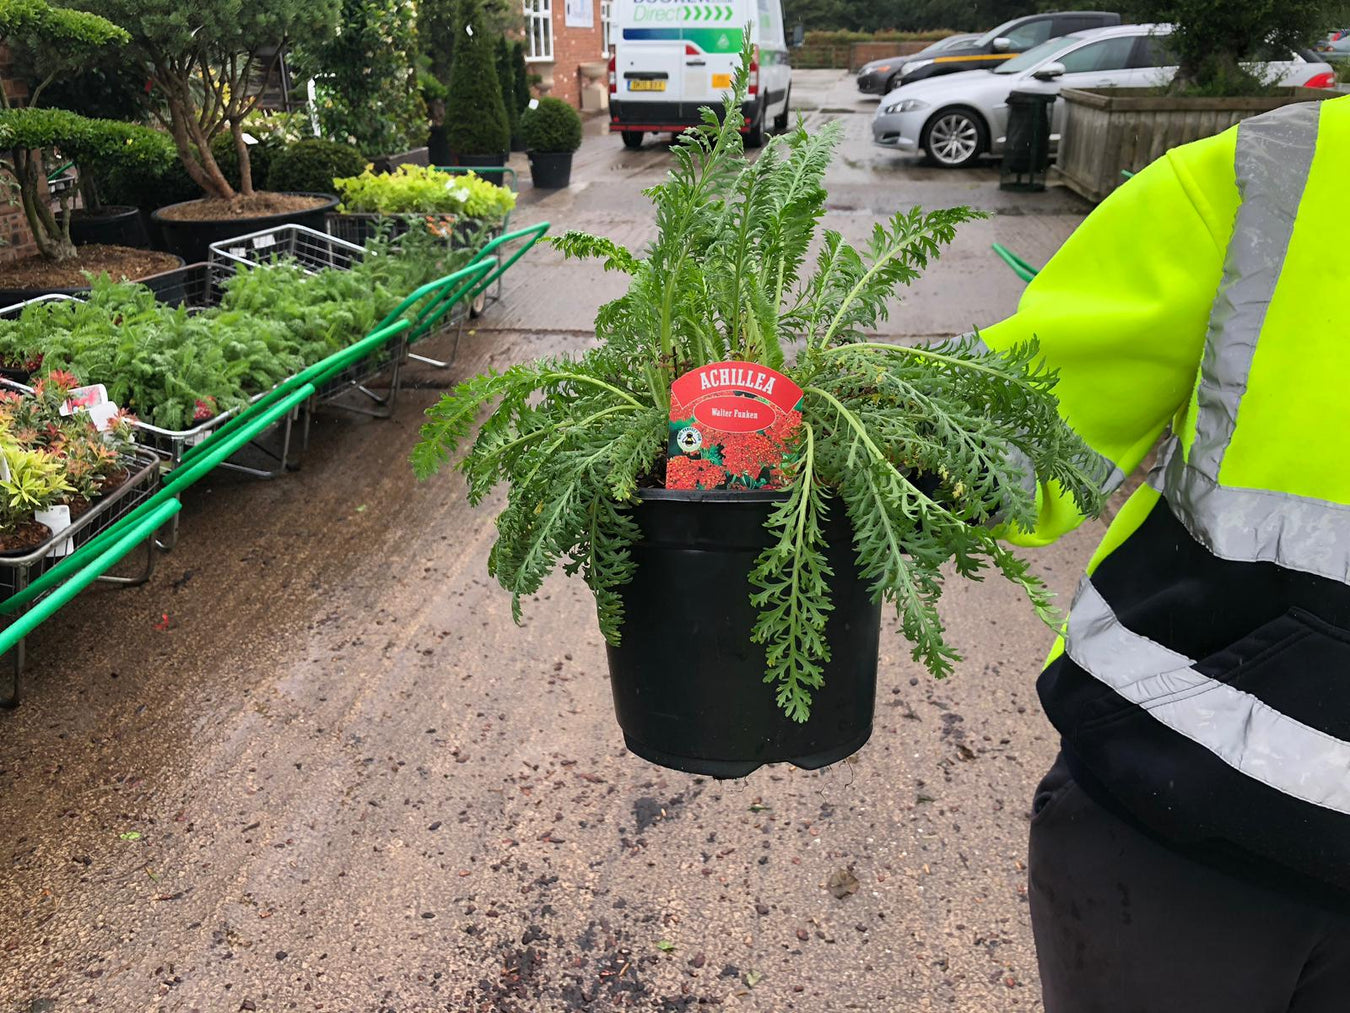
x,y
673,56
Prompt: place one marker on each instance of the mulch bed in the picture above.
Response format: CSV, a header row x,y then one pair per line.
x,y
118,262
214,209
24,538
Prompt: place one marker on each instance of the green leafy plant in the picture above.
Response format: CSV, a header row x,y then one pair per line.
x,y
312,166
210,61
475,119
415,189
924,447
506,78
366,78
553,125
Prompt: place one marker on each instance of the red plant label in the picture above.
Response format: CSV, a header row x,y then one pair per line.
x,y
731,423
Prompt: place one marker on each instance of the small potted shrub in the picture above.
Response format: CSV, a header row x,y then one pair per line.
x,y
59,265
476,126
209,64
741,598
392,203
552,132
311,166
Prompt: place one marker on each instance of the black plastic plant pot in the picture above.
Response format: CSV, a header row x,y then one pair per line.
x,y
192,240
551,170
486,161
688,682
112,225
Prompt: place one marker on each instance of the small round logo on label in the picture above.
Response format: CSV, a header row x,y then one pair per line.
x,y
689,439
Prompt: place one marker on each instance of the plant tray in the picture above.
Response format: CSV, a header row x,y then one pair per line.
x,y
17,570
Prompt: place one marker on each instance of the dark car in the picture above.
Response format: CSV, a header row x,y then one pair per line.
x,y
881,76
1001,43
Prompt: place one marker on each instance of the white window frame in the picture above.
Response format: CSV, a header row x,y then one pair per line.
x,y
607,26
538,31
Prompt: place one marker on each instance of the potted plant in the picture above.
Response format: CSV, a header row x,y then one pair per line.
x,y
210,66
476,127
736,611
1218,48
366,85
391,203
312,165
59,265
551,132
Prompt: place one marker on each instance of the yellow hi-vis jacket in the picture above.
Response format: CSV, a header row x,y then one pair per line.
x,y
1203,684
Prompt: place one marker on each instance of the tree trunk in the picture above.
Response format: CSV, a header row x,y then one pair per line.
x,y
194,148
53,242
245,162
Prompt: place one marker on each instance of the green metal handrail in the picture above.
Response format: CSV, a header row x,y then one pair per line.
x,y
444,292
1020,267
534,232
133,536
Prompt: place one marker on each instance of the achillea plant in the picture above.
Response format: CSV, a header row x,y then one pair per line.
x,y
925,448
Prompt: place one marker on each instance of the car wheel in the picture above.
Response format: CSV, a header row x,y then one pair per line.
x,y
632,139
754,135
780,122
954,138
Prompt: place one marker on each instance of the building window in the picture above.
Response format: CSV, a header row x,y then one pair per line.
x,y
607,25
538,30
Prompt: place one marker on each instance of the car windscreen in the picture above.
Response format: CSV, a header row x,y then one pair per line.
x,y
994,33
1033,56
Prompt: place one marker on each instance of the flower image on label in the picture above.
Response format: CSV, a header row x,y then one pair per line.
x,y
731,423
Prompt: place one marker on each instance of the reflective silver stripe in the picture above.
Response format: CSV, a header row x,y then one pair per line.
x,y
1114,476
1274,154
1258,526
1246,734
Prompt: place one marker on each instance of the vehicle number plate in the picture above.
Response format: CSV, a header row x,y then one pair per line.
x,y
647,85
721,80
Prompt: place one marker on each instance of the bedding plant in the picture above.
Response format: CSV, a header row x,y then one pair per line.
x,y
924,447
420,189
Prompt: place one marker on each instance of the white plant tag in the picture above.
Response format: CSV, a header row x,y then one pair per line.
x,y
260,242
248,138
4,467
194,439
237,251
85,397
534,103
468,30
58,519
102,414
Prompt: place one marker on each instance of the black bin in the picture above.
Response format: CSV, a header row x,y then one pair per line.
x,y
1026,155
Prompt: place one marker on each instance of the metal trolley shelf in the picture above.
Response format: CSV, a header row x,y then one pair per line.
x,y
18,570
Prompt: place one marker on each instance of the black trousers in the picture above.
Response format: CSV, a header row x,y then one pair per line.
x,y
1125,925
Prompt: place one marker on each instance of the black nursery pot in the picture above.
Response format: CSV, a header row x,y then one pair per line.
x,y
113,225
688,683
191,239
551,170
485,162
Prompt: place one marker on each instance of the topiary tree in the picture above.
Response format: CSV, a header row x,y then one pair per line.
x,y
367,87
88,142
520,75
475,119
506,77
210,61
551,126
1213,38
311,166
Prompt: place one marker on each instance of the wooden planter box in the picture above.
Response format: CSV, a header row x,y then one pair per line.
x,y
1111,129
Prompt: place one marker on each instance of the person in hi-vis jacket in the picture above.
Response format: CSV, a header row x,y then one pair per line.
x,y
1190,848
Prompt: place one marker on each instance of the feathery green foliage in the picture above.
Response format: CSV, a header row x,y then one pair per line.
x,y
923,447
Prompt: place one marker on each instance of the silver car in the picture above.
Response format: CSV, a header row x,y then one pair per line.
x,y
956,119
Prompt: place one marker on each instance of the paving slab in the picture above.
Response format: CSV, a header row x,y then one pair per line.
x,y
313,765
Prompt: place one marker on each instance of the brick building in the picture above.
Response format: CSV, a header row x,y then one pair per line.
x,y
567,43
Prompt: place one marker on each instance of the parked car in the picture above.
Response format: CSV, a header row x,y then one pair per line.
x,y
1335,48
1003,43
881,76
954,120
665,68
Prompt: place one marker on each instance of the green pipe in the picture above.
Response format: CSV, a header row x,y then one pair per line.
x,y
133,536
535,232
312,374
1020,267
179,479
476,268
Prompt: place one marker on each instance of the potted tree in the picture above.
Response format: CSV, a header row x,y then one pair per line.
x,y
1217,46
210,66
551,132
742,619
60,265
476,127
